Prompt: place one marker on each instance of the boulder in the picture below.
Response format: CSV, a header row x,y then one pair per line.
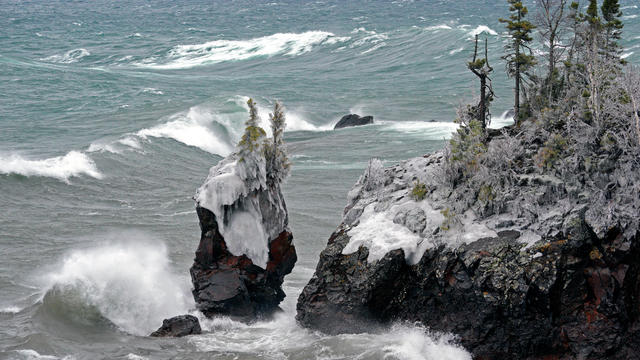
x,y
353,120
225,284
561,285
178,326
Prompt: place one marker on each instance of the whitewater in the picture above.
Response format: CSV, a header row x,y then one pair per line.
x,y
111,115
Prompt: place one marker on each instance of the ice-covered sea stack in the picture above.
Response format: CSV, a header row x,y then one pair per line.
x,y
546,276
246,247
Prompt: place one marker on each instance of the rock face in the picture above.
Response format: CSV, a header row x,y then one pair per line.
x,y
178,326
560,285
353,120
246,248
234,285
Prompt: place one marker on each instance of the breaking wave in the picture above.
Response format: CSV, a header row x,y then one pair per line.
x,y
288,44
74,163
69,57
130,285
482,29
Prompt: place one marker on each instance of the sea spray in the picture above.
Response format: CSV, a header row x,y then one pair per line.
x,y
130,284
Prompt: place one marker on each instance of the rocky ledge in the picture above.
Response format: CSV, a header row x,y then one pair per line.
x,y
546,276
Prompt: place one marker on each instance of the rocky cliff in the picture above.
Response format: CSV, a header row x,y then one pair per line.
x,y
246,247
539,270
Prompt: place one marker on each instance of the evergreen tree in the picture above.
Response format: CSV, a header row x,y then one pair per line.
x,y
253,133
517,61
613,28
278,164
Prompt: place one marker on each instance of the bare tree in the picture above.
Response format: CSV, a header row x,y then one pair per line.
x,y
482,69
550,20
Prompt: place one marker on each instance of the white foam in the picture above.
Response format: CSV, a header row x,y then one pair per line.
x,y
282,338
130,283
10,310
438,27
295,120
194,128
433,130
626,55
288,44
74,163
455,51
482,29
501,121
29,354
69,57
628,17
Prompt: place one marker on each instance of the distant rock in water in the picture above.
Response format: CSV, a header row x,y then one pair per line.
x,y
245,247
561,283
178,326
353,120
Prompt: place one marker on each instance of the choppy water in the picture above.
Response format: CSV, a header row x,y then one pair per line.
x,y
111,114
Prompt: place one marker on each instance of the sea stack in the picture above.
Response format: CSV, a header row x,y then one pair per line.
x,y
246,247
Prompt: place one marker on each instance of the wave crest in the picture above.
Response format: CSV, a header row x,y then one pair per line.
x,y
288,44
74,163
69,57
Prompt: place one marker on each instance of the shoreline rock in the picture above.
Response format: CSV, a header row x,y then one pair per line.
x,y
563,284
353,120
178,326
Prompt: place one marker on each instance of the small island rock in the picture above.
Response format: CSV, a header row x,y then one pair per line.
x,y
353,120
178,326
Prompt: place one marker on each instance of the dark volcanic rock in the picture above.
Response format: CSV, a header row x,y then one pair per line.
x,y
569,290
574,297
178,326
232,285
353,120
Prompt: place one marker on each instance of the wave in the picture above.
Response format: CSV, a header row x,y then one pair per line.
x,y
69,57
629,17
29,354
214,129
199,127
283,338
626,55
438,27
74,163
10,310
506,118
288,44
433,130
295,121
482,29
130,285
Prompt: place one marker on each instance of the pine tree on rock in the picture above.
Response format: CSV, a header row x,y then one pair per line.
x,y
518,63
613,28
251,139
278,164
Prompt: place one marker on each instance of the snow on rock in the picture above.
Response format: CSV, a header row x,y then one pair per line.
x,y
383,217
248,213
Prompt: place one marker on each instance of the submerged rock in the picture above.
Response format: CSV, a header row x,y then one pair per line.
x,y
564,284
353,120
178,326
246,248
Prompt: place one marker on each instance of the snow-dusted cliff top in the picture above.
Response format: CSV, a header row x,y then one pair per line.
x,y
382,216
